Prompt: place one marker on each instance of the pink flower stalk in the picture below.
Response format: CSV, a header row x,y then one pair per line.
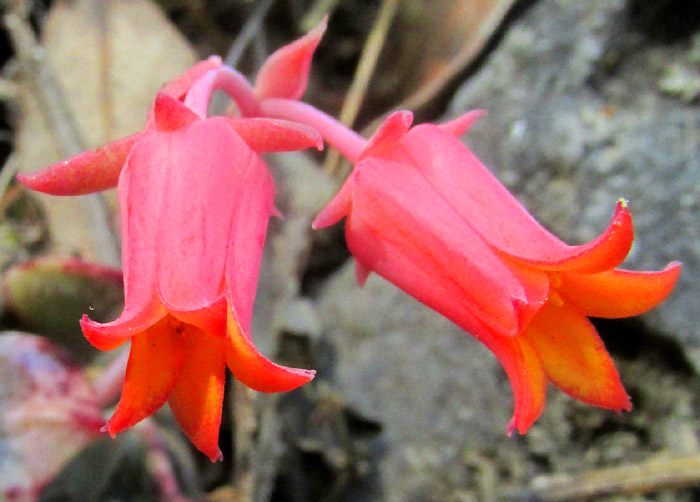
x,y
195,200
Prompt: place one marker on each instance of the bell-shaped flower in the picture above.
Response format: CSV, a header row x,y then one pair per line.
x,y
423,212
195,200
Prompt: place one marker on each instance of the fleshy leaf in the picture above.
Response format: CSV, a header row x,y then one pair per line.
x,y
154,364
275,135
198,395
285,74
84,173
50,295
480,199
256,371
574,358
618,293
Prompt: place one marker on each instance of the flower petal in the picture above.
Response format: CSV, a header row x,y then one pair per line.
x,y
285,74
251,208
526,376
210,319
140,191
536,284
275,135
396,228
197,397
84,173
255,370
574,358
606,252
618,293
480,199
207,176
132,321
154,364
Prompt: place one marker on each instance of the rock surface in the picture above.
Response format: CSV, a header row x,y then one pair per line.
x,y
585,108
588,104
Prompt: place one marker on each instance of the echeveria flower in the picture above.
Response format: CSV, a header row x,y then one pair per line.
x,y
424,213
195,200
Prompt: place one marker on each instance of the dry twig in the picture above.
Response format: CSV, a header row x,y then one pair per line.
x,y
644,477
363,74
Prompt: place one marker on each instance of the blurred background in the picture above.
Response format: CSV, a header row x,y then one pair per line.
x,y
588,102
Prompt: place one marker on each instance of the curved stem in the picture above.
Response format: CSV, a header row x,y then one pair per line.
x,y
345,140
232,83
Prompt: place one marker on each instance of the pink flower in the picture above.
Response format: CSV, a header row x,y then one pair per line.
x,y
195,200
425,214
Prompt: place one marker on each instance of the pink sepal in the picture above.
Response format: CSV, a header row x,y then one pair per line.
x,y
337,208
170,114
389,132
84,173
285,74
462,124
275,135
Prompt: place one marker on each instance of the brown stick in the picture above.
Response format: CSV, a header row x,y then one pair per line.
x,y
650,476
363,74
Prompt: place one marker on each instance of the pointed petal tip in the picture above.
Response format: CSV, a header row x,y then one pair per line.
x,y
265,135
285,74
170,114
88,172
93,332
462,124
105,428
337,208
394,127
361,273
215,456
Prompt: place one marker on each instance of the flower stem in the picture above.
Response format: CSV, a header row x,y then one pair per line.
x,y
345,140
232,83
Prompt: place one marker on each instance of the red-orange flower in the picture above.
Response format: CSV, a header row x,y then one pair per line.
x,y
195,200
424,213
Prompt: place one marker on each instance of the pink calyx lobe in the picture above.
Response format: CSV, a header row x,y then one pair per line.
x,y
285,73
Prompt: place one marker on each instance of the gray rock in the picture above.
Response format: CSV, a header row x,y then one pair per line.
x,y
585,108
437,392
